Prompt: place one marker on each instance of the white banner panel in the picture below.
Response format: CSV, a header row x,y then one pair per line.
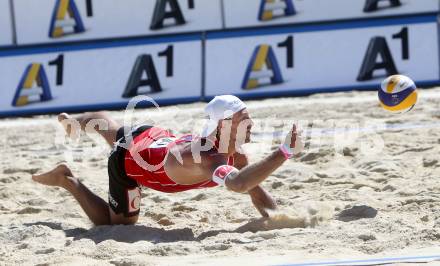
x,y
99,78
46,21
5,24
326,58
245,13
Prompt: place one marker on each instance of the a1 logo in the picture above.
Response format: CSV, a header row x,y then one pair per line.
x,y
144,64
263,65
379,56
373,5
34,85
270,9
166,10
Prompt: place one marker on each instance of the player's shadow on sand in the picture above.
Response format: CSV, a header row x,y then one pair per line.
x,y
123,233
135,233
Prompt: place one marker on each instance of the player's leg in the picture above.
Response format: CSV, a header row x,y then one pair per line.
x,y
124,193
108,130
95,207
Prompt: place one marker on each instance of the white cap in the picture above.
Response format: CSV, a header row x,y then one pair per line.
x,y
219,108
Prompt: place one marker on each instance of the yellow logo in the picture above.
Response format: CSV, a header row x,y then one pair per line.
x,y
263,65
66,19
269,9
33,86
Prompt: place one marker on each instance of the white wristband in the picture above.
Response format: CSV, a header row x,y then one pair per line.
x,y
222,172
287,151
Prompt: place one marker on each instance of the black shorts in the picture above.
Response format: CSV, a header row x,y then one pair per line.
x,y
124,193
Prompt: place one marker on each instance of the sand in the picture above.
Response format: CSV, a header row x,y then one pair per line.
x,y
354,194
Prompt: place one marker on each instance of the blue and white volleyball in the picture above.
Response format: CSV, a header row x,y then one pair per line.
x,y
398,94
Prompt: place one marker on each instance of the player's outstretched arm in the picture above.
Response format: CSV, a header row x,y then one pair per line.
x,y
252,175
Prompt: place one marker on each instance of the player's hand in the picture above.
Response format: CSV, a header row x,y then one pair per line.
x,y
294,140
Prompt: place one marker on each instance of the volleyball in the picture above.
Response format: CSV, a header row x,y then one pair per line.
x,y
398,94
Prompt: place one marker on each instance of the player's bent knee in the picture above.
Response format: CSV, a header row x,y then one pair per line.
x,y
122,219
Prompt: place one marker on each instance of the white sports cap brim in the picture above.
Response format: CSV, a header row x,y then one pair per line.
x,y
221,107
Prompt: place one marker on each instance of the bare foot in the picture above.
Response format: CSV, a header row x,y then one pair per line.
x,y
70,125
55,177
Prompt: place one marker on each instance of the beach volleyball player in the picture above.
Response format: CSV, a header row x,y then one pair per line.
x,y
148,156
